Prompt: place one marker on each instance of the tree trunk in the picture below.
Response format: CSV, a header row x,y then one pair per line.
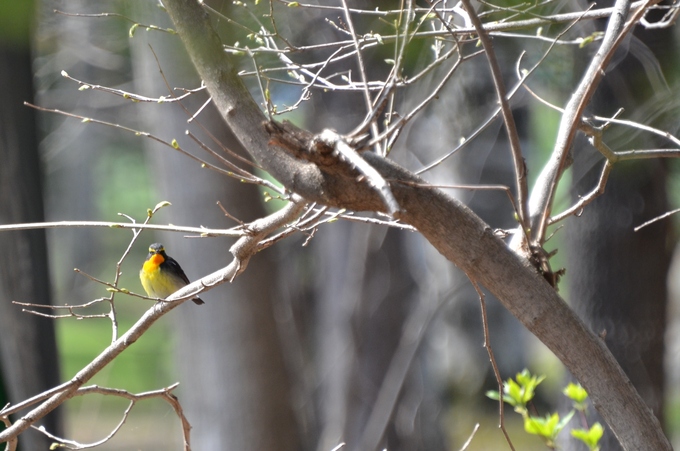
x,y
28,351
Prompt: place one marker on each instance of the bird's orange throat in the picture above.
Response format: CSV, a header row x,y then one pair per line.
x,y
153,262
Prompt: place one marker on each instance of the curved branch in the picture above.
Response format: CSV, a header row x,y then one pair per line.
x,y
506,113
459,234
540,202
242,250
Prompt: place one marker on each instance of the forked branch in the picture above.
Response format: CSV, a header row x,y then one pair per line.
x,y
242,250
451,228
542,196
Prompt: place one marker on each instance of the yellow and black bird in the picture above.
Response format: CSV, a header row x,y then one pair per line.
x,y
161,275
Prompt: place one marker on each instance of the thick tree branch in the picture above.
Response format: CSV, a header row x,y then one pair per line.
x,y
459,234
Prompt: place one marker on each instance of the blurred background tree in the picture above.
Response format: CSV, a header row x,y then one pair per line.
x,y
28,353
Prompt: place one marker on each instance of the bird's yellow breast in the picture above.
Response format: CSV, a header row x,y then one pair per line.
x,y
152,263
155,282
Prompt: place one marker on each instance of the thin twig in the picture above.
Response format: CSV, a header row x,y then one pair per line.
x,y
489,350
397,127
131,96
658,218
508,118
172,144
578,207
230,216
199,231
599,13
520,83
664,134
469,440
135,24
135,235
164,393
543,194
242,250
362,72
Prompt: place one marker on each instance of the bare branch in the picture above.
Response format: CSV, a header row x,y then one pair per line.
x,y
639,126
523,76
542,196
508,118
454,230
362,69
492,359
578,207
199,231
242,250
13,443
241,175
164,393
131,96
469,440
658,218
135,24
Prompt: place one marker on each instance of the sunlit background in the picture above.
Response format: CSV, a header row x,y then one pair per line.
x,y
330,294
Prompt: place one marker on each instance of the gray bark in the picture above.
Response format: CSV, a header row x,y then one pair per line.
x,y
449,226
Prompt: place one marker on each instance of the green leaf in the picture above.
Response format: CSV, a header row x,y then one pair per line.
x,y
493,394
160,205
133,28
590,437
543,427
589,39
546,428
575,392
513,390
529,383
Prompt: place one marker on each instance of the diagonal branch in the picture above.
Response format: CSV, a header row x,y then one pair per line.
x,y
508,118
540,202
454,230
242,250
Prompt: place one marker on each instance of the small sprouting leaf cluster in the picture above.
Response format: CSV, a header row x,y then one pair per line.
x,y
520,391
